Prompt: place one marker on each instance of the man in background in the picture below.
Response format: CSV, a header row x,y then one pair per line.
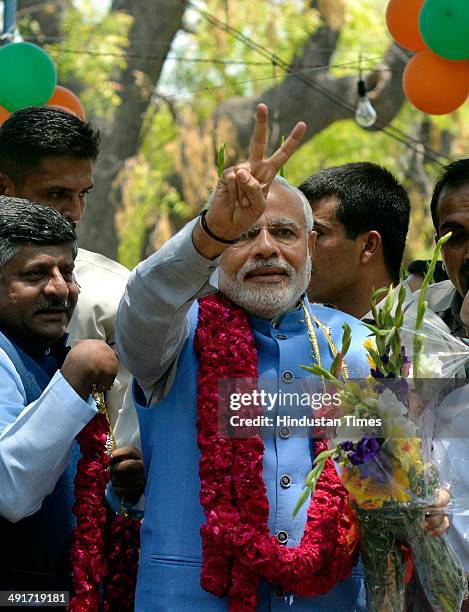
x,y
450,300
361,216
450,213
47,155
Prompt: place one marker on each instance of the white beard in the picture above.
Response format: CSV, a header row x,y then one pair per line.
x,y
266,300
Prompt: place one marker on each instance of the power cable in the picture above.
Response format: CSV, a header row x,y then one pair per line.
x,y
391,131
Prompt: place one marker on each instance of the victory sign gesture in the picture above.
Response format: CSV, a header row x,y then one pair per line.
x,y
240,195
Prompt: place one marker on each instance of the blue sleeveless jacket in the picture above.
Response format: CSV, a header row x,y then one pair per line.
x,y
171,558
36,549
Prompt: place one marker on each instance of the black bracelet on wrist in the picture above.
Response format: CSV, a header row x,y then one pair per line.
x,y
206,229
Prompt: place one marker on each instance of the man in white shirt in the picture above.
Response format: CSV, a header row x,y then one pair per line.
x,y
450,300
47,155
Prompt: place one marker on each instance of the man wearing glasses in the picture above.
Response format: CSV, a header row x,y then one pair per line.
x,y
219,531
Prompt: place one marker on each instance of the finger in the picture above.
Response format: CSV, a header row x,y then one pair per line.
x,y
440,530
228,182
129,466
128,493
125,452
252,194
259,137
443,499
136,482
280,157
433,520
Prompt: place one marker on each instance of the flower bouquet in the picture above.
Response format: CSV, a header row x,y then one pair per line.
x,y
386,462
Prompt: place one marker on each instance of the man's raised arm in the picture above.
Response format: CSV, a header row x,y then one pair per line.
x,y
152,325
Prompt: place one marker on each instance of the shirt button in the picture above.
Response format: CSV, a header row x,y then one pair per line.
x,y
287,376
281,336
285,481
282,537
278,592
284,433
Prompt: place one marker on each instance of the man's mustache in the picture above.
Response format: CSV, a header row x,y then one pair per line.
x,y
270,262
53,305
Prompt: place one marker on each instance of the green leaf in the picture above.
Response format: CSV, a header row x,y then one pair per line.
x,y
282,169
389,336
376,331
221,160
346,339
422,303
301,501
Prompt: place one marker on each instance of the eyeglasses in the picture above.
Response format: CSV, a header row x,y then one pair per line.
x,y
281,231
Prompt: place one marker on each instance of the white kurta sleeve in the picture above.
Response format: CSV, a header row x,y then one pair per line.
x,y
35,439
102,284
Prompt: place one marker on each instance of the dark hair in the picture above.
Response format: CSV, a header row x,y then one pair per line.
x,y
36,132
420,267
454,175
369,198
23,222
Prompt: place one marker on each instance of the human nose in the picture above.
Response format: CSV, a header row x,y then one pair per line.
x,y
74,208
56,285
264,244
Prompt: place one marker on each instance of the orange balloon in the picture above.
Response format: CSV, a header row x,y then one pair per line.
x,y
435,85
65,99
4,114
402,17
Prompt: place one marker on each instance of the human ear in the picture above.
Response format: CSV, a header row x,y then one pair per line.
x,y
371,243
312,242
7,186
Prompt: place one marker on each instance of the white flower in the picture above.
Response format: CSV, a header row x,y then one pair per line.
x,y
430,366
389,406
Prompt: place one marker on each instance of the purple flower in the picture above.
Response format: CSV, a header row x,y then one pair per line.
x,y
366,449
378,374
379,469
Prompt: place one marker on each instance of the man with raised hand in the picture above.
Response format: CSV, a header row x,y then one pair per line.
x,y
219,530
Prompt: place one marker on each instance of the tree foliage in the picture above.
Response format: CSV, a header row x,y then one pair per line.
x,y
168,86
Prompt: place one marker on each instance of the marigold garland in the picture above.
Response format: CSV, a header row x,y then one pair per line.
x,y
237,547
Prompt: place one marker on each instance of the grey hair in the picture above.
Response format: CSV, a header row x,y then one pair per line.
x,y
23,223
304,200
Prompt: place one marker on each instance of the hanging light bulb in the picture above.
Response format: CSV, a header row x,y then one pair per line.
x,y
365,115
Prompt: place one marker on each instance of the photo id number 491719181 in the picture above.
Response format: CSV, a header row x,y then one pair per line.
x,y
13,599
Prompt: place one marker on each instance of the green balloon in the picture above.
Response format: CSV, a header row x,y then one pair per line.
x,y
444,26
27,76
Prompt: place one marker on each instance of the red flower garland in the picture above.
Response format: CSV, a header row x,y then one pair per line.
x,y
236,544
89,563
123,564
87,553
